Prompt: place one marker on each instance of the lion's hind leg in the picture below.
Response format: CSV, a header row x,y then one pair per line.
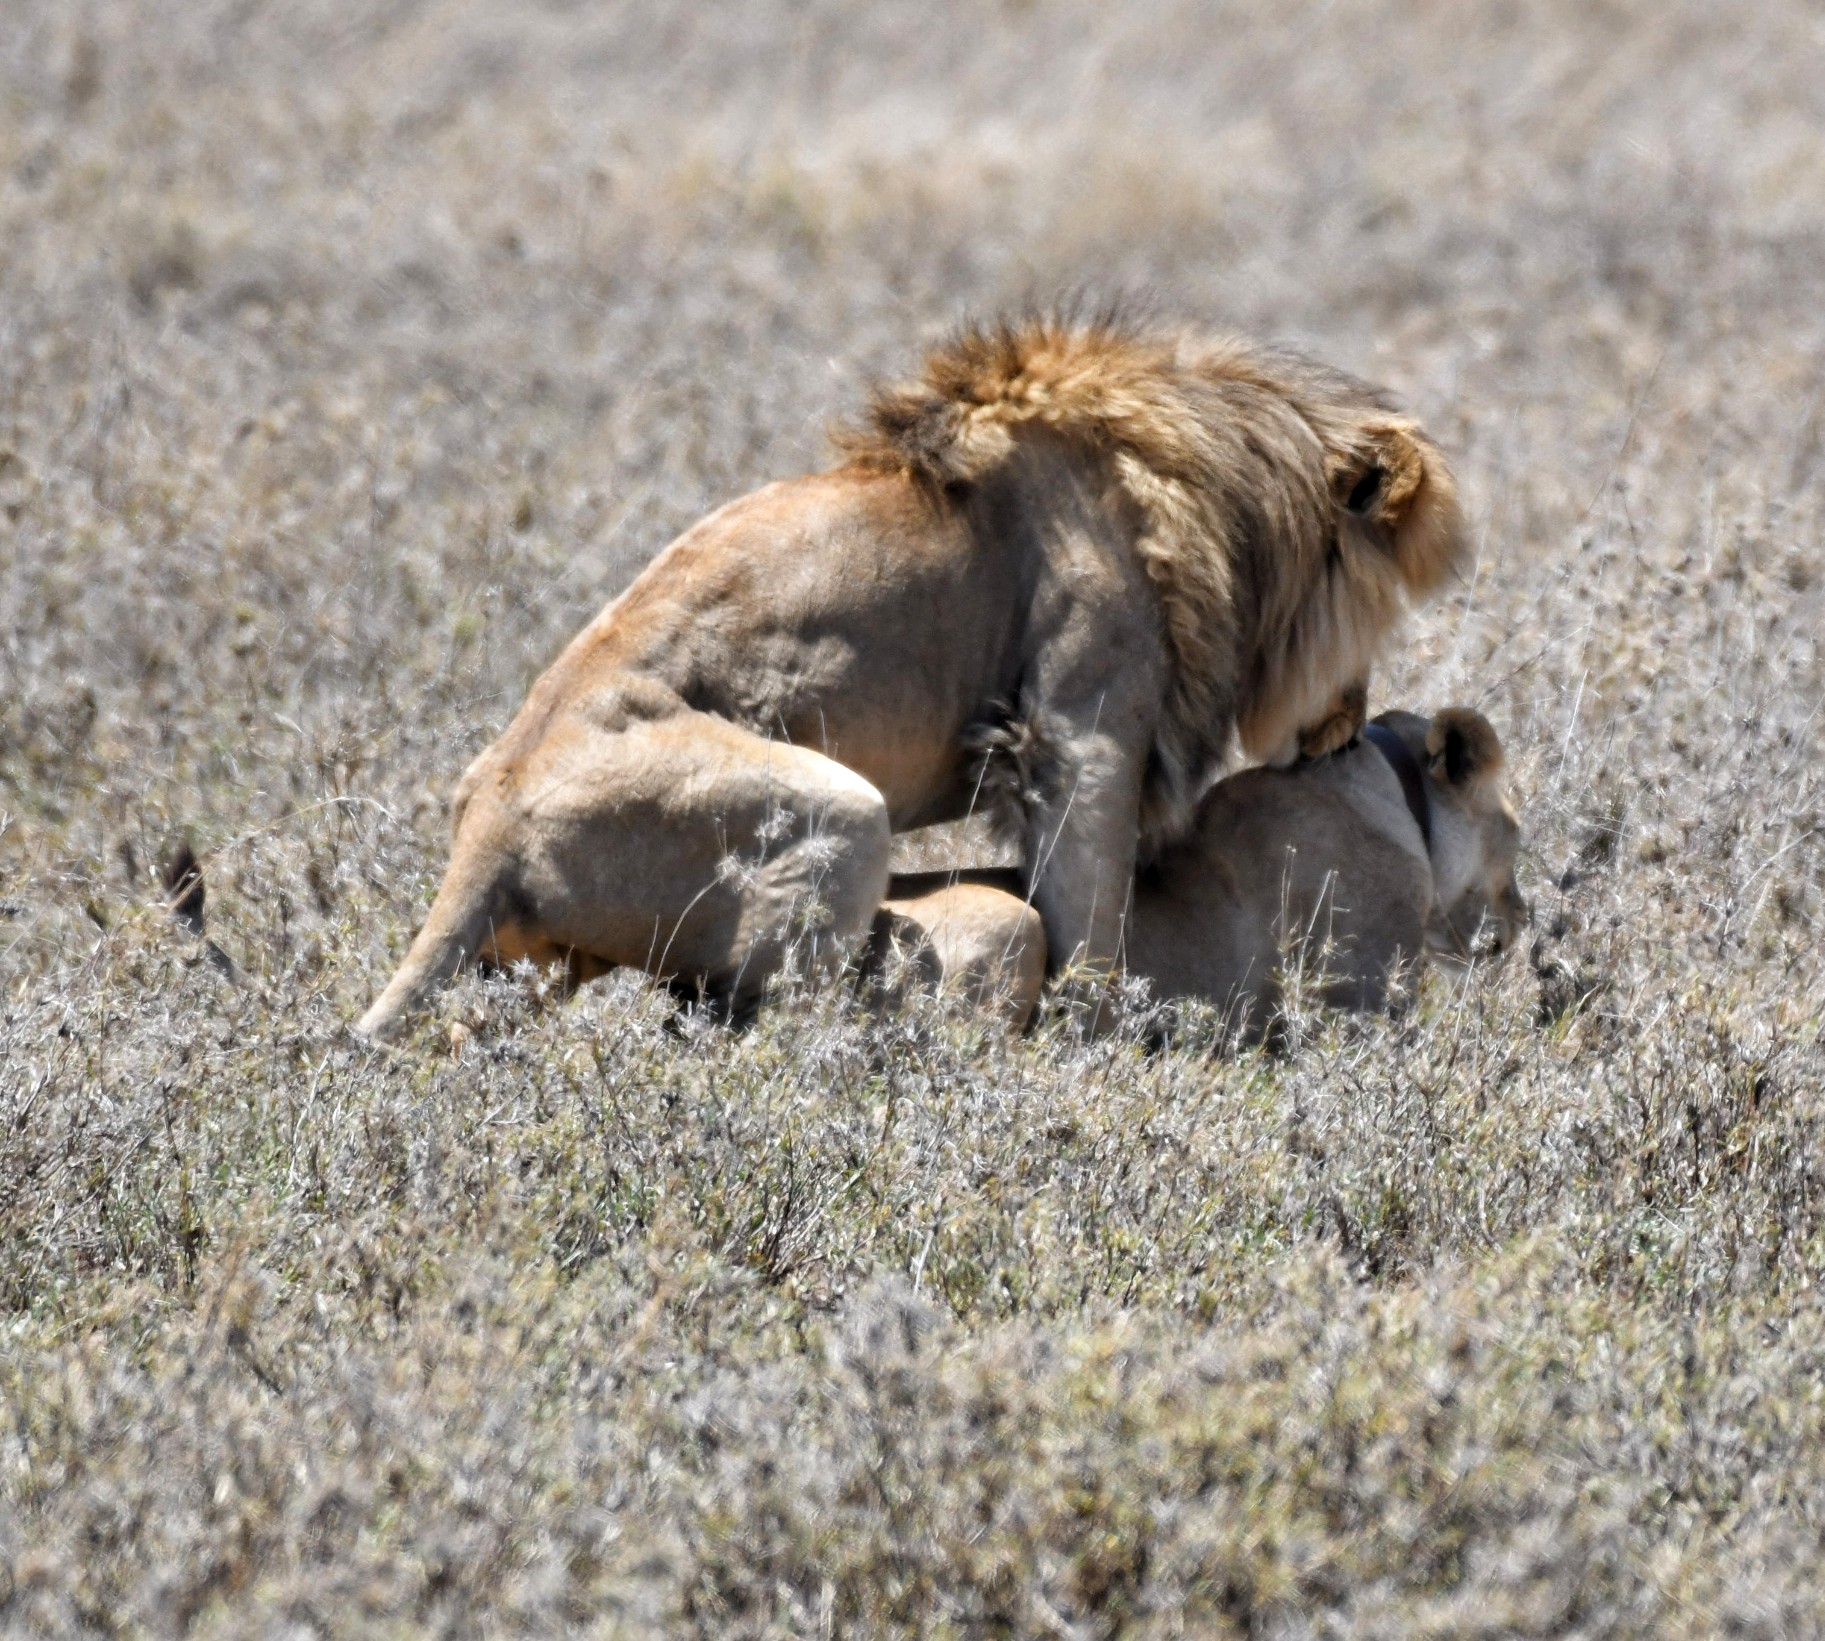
x,y
703,853
683,845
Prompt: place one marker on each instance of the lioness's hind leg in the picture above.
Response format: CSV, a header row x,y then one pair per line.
x,y
985,945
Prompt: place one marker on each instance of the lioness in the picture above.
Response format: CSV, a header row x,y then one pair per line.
x,y
1140,545
967,933
1372,858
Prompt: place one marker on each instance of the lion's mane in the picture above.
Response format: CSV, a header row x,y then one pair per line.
x,y
1287,507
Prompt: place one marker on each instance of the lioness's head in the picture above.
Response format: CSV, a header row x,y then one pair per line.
x,y
1475,834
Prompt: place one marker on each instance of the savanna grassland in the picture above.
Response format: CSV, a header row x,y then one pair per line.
x,y
353,352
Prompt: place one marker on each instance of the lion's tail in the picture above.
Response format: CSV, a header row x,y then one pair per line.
x,y
955,423
461,917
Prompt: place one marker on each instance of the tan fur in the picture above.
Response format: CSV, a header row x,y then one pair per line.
x,y
1339,726
1133,546
959,936
1462,749
1323,863
1242,462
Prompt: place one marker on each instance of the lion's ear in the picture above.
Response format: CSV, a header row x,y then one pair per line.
x,y
1398,480
1462,749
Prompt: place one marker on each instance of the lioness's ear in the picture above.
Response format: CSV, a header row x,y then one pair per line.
x,y
1397,478
1462,749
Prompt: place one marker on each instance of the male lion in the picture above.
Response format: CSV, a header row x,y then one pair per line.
x,y
1138,545
1363,862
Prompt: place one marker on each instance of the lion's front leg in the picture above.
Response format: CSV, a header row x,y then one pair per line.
x,y
1081,838
1341,724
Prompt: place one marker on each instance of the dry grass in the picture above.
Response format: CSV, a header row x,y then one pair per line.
x,y
351,354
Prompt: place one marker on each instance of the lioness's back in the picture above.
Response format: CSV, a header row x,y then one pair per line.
x,y
1321,858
